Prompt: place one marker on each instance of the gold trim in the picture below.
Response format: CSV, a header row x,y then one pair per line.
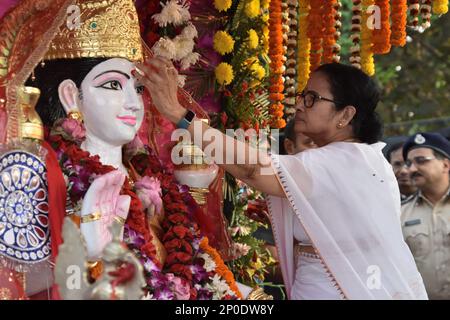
x,y
120,220
258,294
199,195
18,79
91,217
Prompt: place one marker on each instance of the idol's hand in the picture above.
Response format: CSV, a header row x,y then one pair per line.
x,y
160,77
101,205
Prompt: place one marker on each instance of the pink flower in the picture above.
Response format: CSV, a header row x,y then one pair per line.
x,y
240,249
181,290
74,128
149,191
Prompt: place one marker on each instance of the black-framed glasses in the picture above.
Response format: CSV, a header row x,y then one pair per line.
x,y
418,161
310,97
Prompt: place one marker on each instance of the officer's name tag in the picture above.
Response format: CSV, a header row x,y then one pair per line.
x,y
412,222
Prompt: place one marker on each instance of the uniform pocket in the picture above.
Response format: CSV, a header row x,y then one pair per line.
x,y
418,239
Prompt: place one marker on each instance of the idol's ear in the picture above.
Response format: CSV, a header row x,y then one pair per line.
x,y
69,96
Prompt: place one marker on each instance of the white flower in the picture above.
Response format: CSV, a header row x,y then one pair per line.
x,y
189,60
218,286
209,265
181,81
173,12
149,296
189,32
183,47
164,47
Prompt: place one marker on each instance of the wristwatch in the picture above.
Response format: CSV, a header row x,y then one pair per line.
x,y
186,121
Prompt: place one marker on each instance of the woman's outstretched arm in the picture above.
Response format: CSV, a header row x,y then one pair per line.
x,y
247,163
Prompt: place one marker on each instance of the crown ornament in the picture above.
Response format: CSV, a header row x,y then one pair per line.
x,y
98,29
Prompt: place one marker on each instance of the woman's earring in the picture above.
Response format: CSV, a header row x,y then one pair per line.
x,y
75,115
340,125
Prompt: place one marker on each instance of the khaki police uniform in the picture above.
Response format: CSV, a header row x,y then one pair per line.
x,y
426,229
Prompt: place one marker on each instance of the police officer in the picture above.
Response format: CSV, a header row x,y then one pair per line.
x,y
426,216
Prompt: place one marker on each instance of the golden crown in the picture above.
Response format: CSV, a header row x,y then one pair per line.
x,y
98,29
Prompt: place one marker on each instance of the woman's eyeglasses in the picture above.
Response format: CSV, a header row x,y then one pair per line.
x,y
418,161
310,97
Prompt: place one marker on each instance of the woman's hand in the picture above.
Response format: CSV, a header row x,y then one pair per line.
x,y
101,205
160,77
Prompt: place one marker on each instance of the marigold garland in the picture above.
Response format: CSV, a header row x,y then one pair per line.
x,y
381,36
304,46
399,20
367,61
276,52
315,33
221,269
329,22
440,6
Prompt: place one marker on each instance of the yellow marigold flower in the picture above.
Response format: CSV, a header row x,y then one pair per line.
x,y
253,39
258,71
265,18
253,8
440,6
224,73
265,4
223,42
222,5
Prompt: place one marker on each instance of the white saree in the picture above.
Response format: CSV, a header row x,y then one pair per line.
x,y
346,197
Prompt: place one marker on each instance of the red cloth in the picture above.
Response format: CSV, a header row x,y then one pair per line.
x,y
56,202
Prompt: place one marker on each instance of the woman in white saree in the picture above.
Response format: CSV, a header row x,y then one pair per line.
x,y
336,209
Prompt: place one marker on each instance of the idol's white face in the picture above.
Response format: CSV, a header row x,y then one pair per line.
x,y
111,102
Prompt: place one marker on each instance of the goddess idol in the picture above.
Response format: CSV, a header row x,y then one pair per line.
x,y
73,60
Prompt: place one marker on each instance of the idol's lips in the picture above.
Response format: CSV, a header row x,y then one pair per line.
x,y
128,120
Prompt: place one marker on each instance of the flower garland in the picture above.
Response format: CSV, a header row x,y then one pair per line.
x,y
425,13
304,46
329,23
355,58
181,47
337,34
440,6
315,33
414,9
276,65
221,269
184,276
367,61
381,36
290,74
399,20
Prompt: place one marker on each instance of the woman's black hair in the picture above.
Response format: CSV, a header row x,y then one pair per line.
x,y
352,87
48,78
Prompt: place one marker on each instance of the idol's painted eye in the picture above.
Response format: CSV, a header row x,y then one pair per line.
x,y
111,85
140,89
